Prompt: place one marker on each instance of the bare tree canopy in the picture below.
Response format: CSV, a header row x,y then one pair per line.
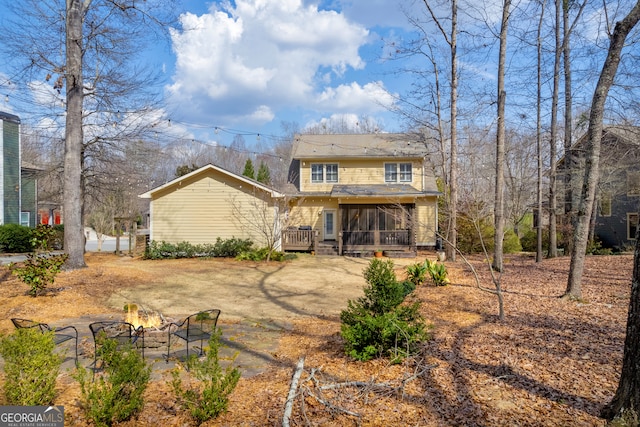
x,y
82,55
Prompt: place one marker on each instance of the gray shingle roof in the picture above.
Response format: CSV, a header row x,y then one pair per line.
x,y
357,146
381,190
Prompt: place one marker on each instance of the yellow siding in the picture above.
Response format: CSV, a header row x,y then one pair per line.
x,y
308,211
203,208
426,213
357,171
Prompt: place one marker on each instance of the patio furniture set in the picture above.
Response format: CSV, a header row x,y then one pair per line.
x,y
196,327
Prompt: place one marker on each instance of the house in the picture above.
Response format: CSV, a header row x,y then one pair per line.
x,y
211,203
29,194
10,171
618,192
353,194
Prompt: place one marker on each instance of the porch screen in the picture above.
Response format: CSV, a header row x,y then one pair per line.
x,y
376,224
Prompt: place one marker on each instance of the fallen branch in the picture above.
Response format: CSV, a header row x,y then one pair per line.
x,y
292,393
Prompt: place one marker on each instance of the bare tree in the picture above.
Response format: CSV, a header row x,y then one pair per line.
x,y
261,217
594,137
500,146
84,52
451,39
539,230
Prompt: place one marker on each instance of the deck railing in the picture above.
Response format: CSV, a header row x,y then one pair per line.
x,y
298,240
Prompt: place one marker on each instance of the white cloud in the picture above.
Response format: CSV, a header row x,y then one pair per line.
x,y
369,98
246,61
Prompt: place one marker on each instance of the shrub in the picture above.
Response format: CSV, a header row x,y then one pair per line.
x,y
39,271
15,238
231,248
377,324
511,242
43,237
437,272
209,396
116,394
222,248
594,247
260,255
31,367
417,273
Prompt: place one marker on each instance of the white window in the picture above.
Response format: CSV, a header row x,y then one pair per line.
x,y
321,172
331,172
317,172
391,172
25,218
405,172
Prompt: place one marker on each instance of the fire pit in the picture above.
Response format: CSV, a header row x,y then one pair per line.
x,y
154,323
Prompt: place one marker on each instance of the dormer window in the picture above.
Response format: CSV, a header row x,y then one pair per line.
x,y
324,172
398,172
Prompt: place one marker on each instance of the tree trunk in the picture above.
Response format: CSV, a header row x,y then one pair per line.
x,y
73,230
500,144
539,230
553,153
568,134
594,139
453,180
627,396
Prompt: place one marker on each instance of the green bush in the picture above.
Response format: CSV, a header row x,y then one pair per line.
x,y
39,270
15,238
222,248
438,272
377,324
594,247
260,255
469,240
116,394
31,367
511,243
209,395
417,273
43,237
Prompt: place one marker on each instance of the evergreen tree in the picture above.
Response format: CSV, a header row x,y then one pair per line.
x,y
248,170
264,176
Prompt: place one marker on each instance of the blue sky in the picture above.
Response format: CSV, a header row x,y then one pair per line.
x,y
252,64
246,66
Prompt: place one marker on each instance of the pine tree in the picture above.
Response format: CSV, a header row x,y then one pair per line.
x,y
264,176
248,170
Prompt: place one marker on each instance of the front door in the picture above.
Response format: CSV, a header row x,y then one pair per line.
x,y
329,224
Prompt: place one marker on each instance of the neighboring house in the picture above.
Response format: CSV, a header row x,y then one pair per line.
x,y
358,193
29,195
618,193
10,173
211,203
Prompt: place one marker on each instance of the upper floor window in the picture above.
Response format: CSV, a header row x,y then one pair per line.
x,y
605,204
398,172
633,183
324,172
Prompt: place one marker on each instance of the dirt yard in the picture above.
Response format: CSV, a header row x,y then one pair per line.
x,y
551,362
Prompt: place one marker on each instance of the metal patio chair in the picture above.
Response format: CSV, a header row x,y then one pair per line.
x,y
196,327
60,335
124,333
